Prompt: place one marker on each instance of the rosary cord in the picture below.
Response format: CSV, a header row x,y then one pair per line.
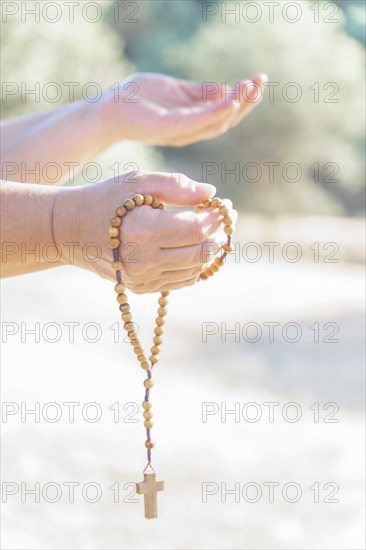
x,y
148,435
122,299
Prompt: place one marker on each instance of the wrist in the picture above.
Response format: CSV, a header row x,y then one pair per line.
x,y
112,106
108,118
66,225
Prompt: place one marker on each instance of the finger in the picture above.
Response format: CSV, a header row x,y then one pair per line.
x,y
190,120
251,94
174,276
181,284
219,128
247,96
176,189
165,274
189,256
179,229
211,128
201,91
178,277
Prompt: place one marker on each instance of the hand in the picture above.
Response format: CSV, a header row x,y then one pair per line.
x,y
161,250
161,110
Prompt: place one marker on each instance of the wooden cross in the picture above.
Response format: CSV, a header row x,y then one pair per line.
x,y
149,488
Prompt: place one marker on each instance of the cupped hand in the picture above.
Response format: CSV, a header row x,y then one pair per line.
x,y
161,110
160,249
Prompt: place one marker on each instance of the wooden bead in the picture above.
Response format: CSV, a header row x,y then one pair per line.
x,y
129,204
157,341
148,383
149,444
147,414
153,359
113,231
146,405
198,208
148,199
161,206
114,243
159,321
119,288
218,262
216,202
131,334
227,220
223,210
155,203
135,342
148,424
162,311
126,317
141,358
138,350
203,276
139,199
163,301
165,293
116,265
124,308
155,350
121,211
116,221
122,298
145,365
208,271
214,268
158,331
206,204
228,230
128,326
227,248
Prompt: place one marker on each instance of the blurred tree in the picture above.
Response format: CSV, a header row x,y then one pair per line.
x,y
355,11
33,55
160,26
322,132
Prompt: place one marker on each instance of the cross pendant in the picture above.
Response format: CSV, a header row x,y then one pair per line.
x,y
149,488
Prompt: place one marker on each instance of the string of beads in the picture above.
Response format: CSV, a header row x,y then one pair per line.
x,y
114,244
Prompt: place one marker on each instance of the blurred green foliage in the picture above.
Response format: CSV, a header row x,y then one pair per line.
x,y
355,18
171,37
305,132
57,52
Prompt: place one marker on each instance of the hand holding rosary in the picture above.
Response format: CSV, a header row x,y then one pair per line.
x,y
149,487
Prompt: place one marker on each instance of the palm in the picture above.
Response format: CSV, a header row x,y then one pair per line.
x,y
162,110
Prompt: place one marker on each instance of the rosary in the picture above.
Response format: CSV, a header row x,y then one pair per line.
x,y
149,487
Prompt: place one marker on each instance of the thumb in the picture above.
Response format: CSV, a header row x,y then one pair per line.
x,y
176,189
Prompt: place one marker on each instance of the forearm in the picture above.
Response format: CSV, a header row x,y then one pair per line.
x,y
48,147
27,242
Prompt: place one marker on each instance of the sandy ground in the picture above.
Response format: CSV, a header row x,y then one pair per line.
x,y
227,452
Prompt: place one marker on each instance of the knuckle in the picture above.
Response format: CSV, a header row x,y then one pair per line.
x,y
192,281
177,177
134,270
207,250
138,270
139,290
197,230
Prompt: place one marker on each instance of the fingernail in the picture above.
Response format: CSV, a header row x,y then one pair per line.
x,y
206,189
261,76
